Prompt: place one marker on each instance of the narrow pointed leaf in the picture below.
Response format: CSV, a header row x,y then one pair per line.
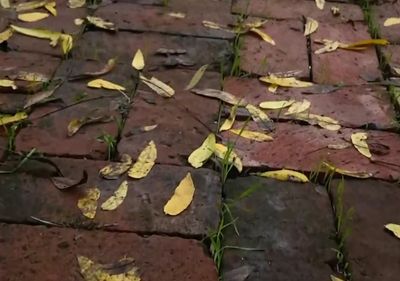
x,y
117,198
32,17
221,95
354,174
285,81
311,26
5,83
101,83
145,162
391,21
73,4
298,107
158,86
285,175
251,135
7,119
196,77
5,35
228,123
264,36
100,23
276,104
394,228
106,69
138,60
51,7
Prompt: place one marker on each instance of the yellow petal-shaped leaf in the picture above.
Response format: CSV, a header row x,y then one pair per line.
x,y
66,43
32,17
7,119
51,7
298,107
138,60
31,5
79,21
272,88
5,4
88,203
145,162
196,77
73,4
75,124
285,175
359,141
101,83
320,4
223,153
117,198
181,198
264,36
353,174
391,21
395,228
100,23
251,135
311,26
276,104
256,23
365,43
38,33
285,81
177,15
6,83
228,123
158,86
114,170
221,95
334,278
199,156
327,122
5,35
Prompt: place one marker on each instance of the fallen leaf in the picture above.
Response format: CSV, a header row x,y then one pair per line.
x,y
5,83
264,36
79,21
100,23
335,11
273,88
30,76
199,156
213,25
298,107
354,174
221,95
149,128
276,104
64,183
339,146
39,97
255,24
101,83
311,26
106,69
196,77
177,15
167,52
138,60
326,122
5,35
158,86
144,162
7,119
88,203
359,141
285,175
32,17
31,5
252,135
75,124
228,123
117,198
391,21
329,47
114,170
182,197
5,4
73,4
141,129
51,7
364,43
394,228
285,81
334,278
221,152
260,117
320,4
66,43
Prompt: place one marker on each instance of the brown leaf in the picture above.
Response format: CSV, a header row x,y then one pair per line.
x,y
75,124
39,97
221,95
64,183
106,69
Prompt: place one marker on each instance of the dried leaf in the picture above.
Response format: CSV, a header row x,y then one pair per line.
x,y
30,76
114,170
252,135
326,122
213,25
334,278
359,141
79,21
100,23
177,15
255,24
228,123
7,119
64,183
273,88
395,228
221,95
196,77
101,83
144,162
264,36
117,198
5,4
73,4
138,60
276,104
260,117
320,4
182,197
354,174
88,204
158,86
39,97
311,26
221,150
5,35
31,5
391,21
285,81
199,156
106,69
298,107
285,175
329,47
364,43
339,146
32,17
66,43
148,128
5,83
51,7
75,124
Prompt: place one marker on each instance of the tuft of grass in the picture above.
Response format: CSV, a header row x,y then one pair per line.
x,y
111,143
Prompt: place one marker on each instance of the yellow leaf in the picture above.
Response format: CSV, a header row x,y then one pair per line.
x,y
222,152
66,43
39,33
330,46
38,97
79,21
276,104
31,77
114,170
395,228
221,95
228,123
177,15
334,278
199,156
101,83
149,128
5,35
32,17
311,26
365,43
31,5
264,36
339,146
158,86
51,7
117,198
298,107
5,83
73,4
320,4
7,119
391,21
145,162
5,4
257,114
181,198
88,204
252,135
359,141
100,23
255,24
75,124
196,77
272,88
326,122
285,81
138,60
285,175
213,25
354,174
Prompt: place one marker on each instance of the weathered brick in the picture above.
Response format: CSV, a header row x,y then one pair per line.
x,y
380,13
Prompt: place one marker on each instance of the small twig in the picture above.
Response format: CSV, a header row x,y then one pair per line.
x,y
22,162
45,222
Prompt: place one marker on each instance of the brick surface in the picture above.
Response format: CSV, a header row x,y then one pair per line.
x,y
141,211
290,52
294,9
380,13
343,66
183,121
279,218
352,106
374,253
304,147
157,257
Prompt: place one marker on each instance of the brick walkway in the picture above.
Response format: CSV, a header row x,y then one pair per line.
x,y
284,230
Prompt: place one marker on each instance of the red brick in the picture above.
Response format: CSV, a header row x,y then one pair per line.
x,y
49,254
344,66
352,106
380,14
290,52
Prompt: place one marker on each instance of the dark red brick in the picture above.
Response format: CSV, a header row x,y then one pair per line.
x,y
49,254
380,14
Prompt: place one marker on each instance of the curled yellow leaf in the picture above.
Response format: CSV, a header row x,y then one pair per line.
x,y
298,107
51,7
285,81
7,119
100,23
391,21
158,86
276,104
223,153
5,35
285,175
114,170
264,36
353,174
394,228
311,26
101,83
117,198
32,17
228,123
73,4
251,135
5,83
145,162
88,203
138,60
359,141
199,156
330,46
181,198
196,77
